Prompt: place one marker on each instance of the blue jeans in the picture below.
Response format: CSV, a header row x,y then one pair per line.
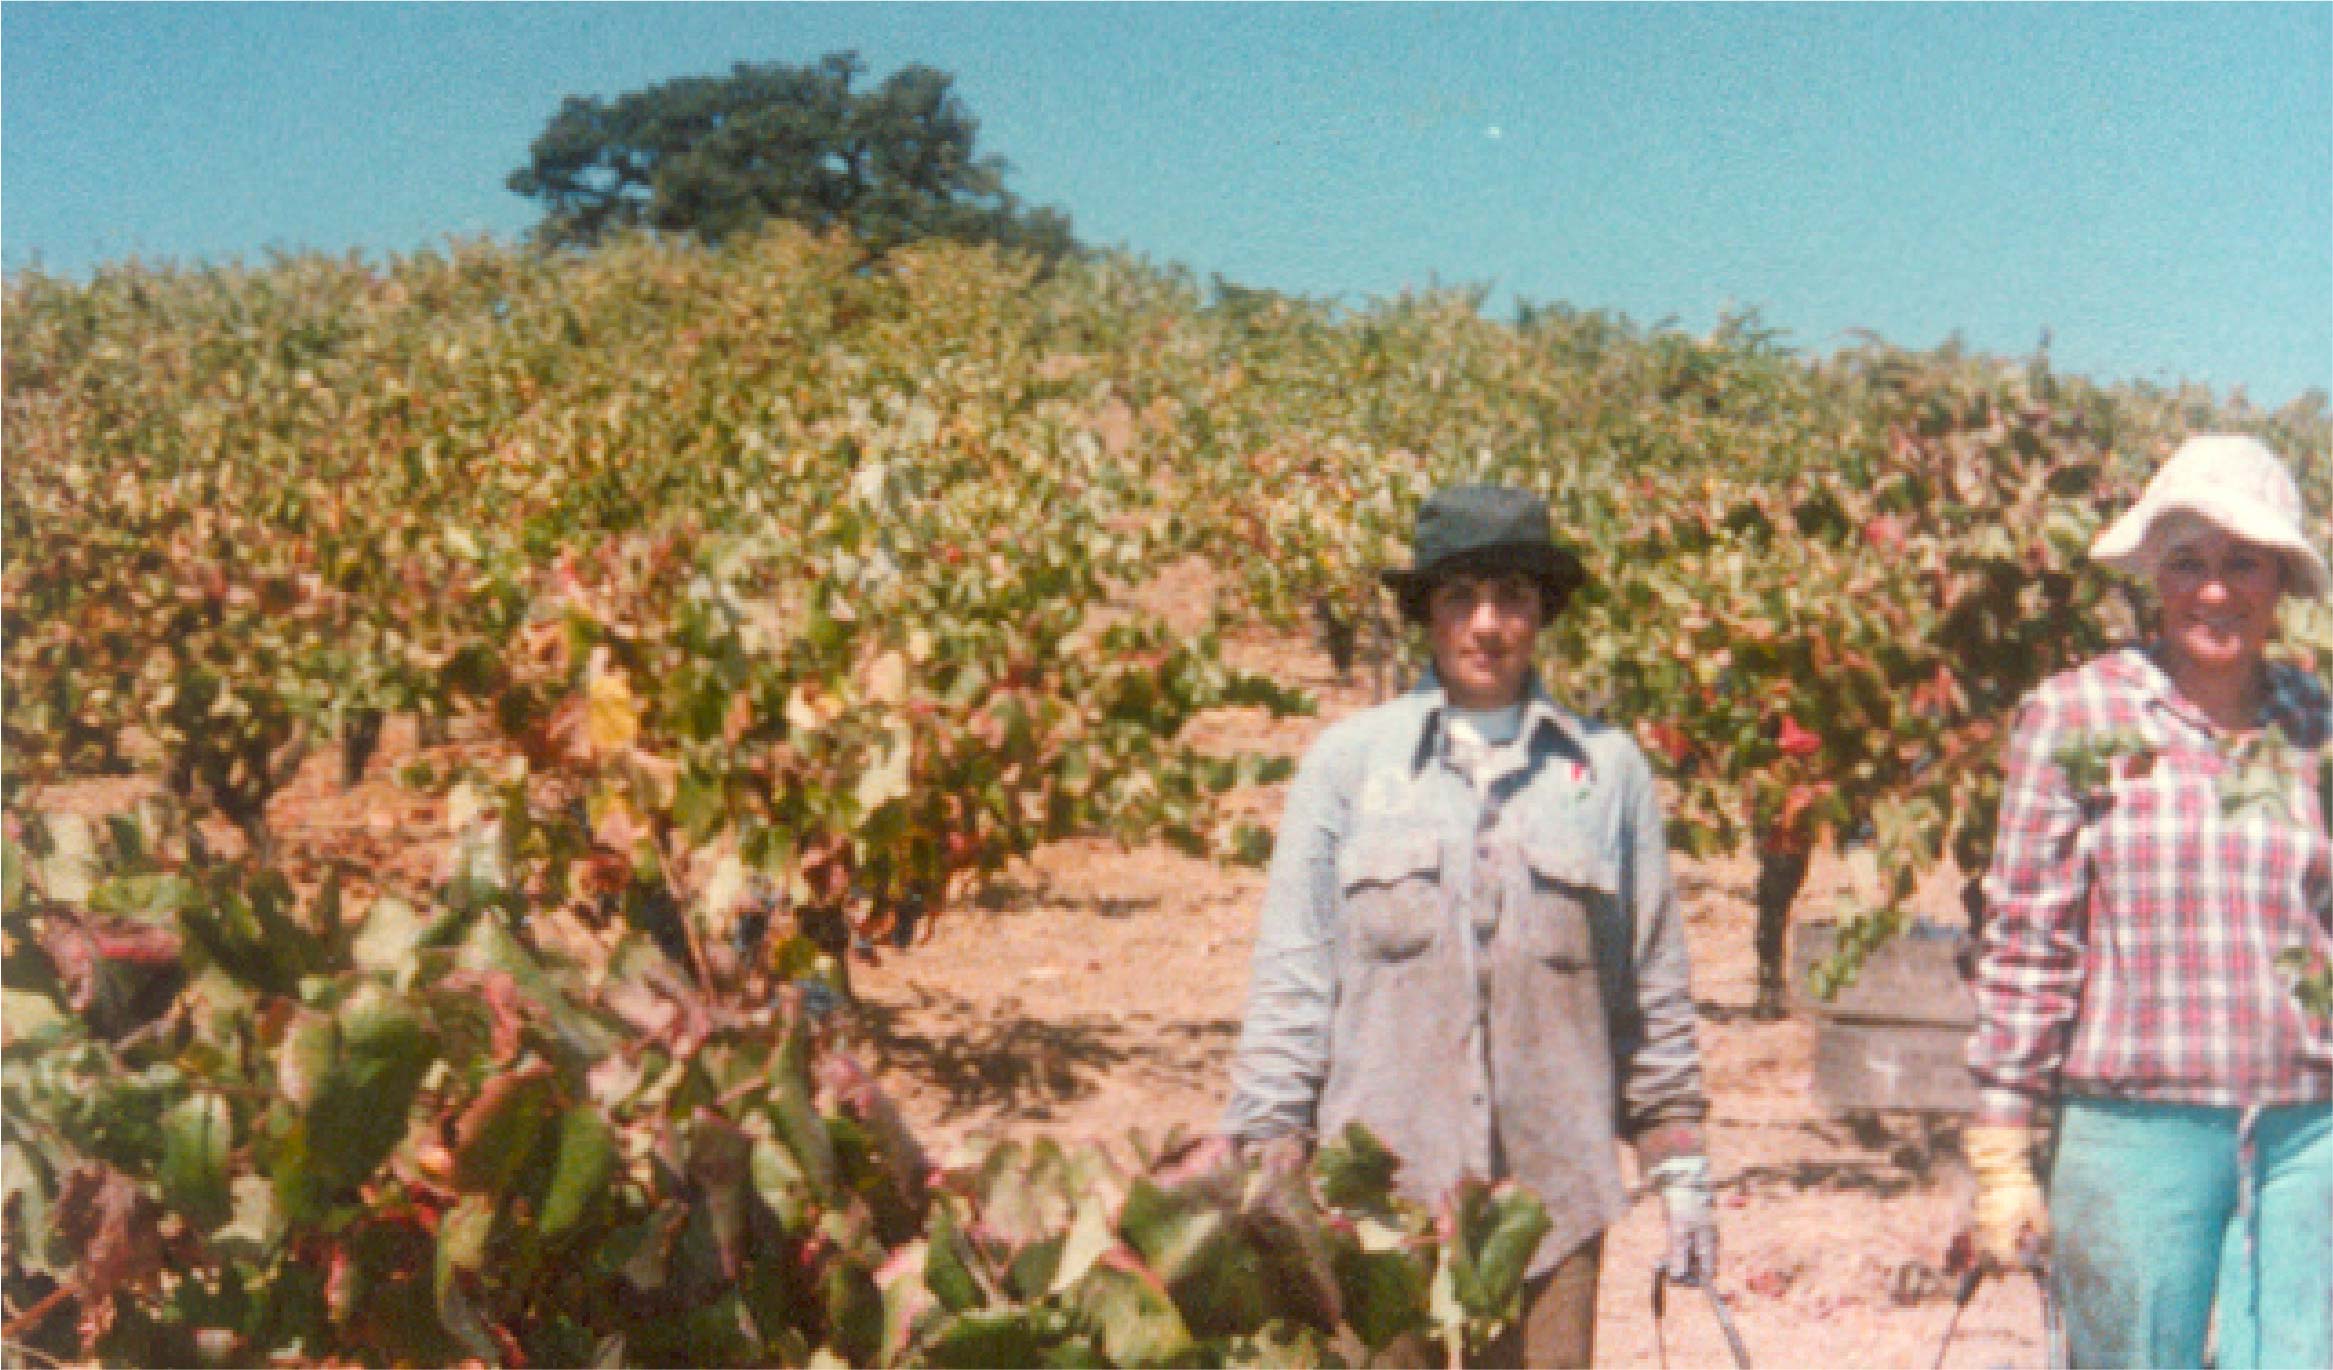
x,y
2158,1217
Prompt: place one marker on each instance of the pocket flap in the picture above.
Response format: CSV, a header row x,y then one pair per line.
x,y
1565,861
1385,860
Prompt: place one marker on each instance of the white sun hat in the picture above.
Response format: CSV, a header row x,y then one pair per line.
x,y
2236,484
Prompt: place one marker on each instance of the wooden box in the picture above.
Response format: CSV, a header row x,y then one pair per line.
x,y
1897,1038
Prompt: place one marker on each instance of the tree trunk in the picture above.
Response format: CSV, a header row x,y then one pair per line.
x,y
360,736
1780,877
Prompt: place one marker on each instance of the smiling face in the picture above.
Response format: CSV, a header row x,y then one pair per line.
x,y
1480,628
2219,596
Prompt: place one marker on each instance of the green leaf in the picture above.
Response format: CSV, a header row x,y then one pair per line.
x,y
854,1311
1009,1336
245,939
496,1134
144,896
781,1184
349,1080
796,1118
948,1262
1192,1239
585,1160
1024,1191
1138,1321
197,1137
1089,1239
461,1252
1498,1230
720,1165
2257,775
697,805
359,1111
26,1189
1356,1170
1384,1294
1033,1268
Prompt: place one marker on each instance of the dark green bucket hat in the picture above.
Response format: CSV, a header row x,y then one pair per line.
x,y
1470,529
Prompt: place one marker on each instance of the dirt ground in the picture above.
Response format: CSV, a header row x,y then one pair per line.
x,y
1096,992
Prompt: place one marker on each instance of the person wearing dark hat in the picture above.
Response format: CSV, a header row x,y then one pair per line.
x,y
1469,940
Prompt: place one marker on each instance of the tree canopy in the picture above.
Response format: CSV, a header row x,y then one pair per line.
x,y
710,156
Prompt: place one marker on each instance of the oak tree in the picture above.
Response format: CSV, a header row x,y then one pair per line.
x,y
710,156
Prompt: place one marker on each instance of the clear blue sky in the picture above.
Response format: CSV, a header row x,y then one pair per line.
x,y
2152,184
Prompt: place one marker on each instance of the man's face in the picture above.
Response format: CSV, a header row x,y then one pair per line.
x,y
1480,628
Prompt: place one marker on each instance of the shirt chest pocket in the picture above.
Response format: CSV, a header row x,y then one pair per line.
x,y
1563,889
1391,889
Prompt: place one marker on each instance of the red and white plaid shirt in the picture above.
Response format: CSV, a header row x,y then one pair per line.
x,y
2136,909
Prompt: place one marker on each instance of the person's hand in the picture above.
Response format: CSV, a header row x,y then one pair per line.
x,y
2008,1221
1203,1157
1684,1186
1279,1156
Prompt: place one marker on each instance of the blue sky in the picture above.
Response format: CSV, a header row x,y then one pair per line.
x,y
2152,184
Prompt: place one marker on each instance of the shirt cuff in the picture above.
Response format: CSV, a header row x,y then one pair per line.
x,y
1997,1107
1668,1141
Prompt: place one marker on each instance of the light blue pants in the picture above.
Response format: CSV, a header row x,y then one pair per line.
x,y
2160,1212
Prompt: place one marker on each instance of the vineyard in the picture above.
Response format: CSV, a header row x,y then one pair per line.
x,y
761,606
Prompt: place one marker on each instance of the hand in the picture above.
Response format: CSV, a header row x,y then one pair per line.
x,y
2008,1221
1202,1157
1279,1156
1684,1186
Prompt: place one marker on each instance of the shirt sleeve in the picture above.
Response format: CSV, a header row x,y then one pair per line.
x,y
2029,978
1662,1102
1282,1059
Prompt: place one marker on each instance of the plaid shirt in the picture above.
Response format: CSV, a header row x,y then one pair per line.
x,y
2138,902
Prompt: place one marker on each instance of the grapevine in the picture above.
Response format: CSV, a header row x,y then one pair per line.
x,y
784,600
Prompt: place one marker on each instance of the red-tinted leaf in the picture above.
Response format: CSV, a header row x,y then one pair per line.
x,y
497,1133
114,1226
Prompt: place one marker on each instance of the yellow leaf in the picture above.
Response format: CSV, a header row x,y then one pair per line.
x,y
611,720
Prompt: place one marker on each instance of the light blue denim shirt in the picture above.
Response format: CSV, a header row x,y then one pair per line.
x,y
1492,979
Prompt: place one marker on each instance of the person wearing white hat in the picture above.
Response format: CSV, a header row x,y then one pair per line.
x,y
2162,855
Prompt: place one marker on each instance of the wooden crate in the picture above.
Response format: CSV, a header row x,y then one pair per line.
x,y
1897,1038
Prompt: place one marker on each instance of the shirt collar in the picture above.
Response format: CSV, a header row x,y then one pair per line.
x,y
1541,715
2289,699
